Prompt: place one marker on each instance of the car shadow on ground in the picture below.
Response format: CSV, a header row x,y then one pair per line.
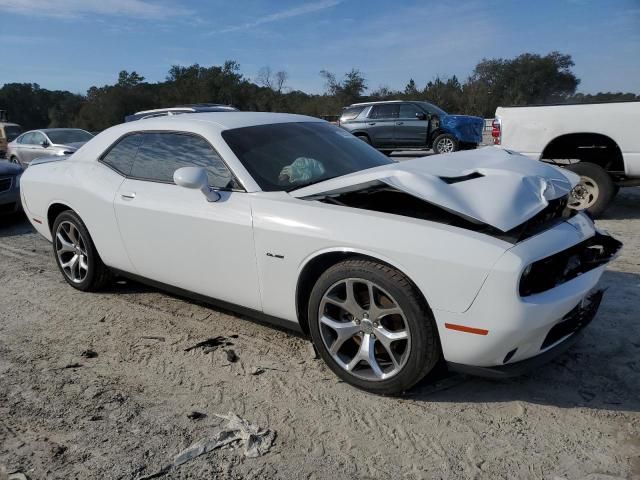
x,y
14,225
626,205
601,371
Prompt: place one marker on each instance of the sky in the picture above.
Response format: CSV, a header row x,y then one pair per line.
x,y
75,44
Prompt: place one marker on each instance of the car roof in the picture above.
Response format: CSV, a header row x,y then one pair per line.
x,y
220,120
47,130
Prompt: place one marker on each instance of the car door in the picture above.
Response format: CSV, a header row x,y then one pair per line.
x,y
33,149
411,126
23,147
381,123
173,235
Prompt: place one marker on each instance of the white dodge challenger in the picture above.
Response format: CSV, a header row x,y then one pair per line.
x,y
471,257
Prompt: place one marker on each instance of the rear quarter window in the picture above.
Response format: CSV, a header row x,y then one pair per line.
x,y
121,156
350,113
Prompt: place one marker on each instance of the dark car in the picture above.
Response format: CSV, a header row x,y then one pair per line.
x,y
397,124
191,108
9,188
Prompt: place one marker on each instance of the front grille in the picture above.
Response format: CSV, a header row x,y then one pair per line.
x,y
5,184
574,321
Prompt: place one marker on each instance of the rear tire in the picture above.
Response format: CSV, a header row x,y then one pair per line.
x,y
397,327
15,160
364,138
595,190
76,255
445,143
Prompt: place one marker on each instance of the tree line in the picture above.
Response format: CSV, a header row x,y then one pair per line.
x,y
524,80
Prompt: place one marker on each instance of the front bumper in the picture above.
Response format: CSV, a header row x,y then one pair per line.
x,y
501,327
561,337
10,198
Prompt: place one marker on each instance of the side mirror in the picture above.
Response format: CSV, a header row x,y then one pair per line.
x,y
196,178
421,116
44,144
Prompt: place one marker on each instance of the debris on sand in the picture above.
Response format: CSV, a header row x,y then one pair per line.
x,y
211,344
259,370
152,337
196,415
231,356
17,476
257,442
72,365
89,354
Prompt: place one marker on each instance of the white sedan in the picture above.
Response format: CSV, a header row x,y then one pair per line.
x,y
470,257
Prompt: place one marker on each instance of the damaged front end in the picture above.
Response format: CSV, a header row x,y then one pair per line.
x,y
490,191
381,198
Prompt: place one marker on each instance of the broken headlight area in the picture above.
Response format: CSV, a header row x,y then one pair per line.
x,y
563,266
382,198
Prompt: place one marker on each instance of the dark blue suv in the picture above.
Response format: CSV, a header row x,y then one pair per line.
x,y
399,125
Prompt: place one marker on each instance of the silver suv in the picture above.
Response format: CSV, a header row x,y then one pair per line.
x,y
399,124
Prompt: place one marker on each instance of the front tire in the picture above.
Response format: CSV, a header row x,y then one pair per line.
x,y
76,255
445,143
595,190
372,327
15,160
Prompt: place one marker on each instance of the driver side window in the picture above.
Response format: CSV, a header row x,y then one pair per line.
x,y
37,138
161,154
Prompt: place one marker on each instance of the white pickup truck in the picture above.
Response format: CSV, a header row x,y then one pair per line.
x,y
598,141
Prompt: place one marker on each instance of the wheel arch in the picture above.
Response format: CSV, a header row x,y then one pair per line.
x,y
436,133
54,210
361,133
317,264
588,147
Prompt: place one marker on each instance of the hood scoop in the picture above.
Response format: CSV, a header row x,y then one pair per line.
x,y
489,185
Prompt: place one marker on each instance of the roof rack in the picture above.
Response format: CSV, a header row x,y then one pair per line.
x,y
181,109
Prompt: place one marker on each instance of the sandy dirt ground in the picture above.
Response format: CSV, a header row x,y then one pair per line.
x,y
123,413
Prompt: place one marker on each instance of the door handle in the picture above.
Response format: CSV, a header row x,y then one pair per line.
x,y
129,195
399,123
372,123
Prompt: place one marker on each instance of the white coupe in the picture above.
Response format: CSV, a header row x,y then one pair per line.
x,y
471,257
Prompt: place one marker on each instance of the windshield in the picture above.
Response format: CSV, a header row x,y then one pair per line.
x,y
12,132
67,136
431,108
286,156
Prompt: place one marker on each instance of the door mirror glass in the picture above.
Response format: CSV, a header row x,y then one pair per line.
x,y
195,178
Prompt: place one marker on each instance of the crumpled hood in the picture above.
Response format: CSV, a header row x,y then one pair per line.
x,y
489,185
